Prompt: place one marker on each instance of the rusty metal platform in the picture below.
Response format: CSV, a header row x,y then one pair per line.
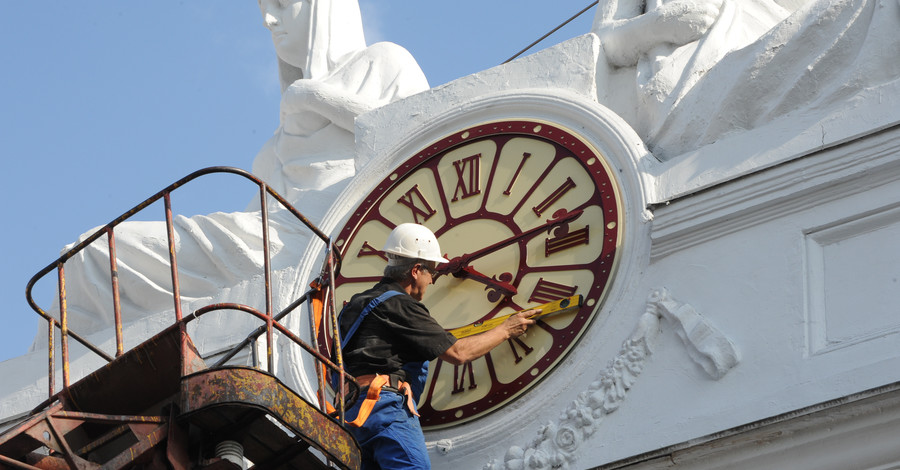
x,y
158,406
274,424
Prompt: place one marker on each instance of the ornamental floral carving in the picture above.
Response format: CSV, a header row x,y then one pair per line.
x,y
556,445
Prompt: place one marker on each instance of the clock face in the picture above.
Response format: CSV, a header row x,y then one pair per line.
x,y
540,210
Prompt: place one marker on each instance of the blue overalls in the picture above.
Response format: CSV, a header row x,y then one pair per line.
x,y
391,437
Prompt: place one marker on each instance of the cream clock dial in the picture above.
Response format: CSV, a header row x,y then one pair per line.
x,y
527,212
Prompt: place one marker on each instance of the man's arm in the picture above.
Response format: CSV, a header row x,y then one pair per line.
x,y
472,347
331,102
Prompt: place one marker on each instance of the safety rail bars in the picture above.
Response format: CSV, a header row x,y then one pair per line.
x,y
325,281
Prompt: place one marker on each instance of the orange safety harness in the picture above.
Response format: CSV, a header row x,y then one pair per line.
x,y
317,304
375,382
378,383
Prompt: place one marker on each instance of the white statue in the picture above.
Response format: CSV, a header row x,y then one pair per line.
x,y
659,49
696,70
328,77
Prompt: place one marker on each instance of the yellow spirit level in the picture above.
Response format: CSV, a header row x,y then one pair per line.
x,y
552,308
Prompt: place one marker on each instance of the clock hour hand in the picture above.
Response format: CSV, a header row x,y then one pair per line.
x,y
505,288
458,263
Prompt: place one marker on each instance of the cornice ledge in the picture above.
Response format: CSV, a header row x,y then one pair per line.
x,y
851,422
797,185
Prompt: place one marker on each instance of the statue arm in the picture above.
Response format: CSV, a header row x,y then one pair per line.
x,y
679,22
329,101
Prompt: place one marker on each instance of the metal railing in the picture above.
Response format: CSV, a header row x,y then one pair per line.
x,y
271,319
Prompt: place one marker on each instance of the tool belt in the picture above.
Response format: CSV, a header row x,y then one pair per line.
x,y
377,383
393,381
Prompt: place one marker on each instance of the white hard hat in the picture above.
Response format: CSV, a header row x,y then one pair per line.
x,y
414,241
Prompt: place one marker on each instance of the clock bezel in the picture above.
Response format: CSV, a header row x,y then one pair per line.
x,y
595,163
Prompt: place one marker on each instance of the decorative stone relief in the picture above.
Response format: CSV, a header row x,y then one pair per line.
x,y
557,443
706,345
677,70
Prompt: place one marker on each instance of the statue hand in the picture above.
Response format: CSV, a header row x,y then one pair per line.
x,y
683,21
678,22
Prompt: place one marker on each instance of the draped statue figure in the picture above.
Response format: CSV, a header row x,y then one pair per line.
x,y
685,73
328,77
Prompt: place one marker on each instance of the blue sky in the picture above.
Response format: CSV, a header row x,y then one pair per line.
x,y
102,104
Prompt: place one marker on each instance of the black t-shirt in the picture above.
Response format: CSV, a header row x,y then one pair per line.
x,y
398,331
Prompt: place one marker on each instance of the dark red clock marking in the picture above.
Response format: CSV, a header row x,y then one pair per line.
x,y
566,240
460,374
510,370
369,250
515,176
567,186
526,349
417,204
468,177
546,291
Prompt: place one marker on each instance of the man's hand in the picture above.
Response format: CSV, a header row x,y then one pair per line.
x,y
472,347
517,324
550,308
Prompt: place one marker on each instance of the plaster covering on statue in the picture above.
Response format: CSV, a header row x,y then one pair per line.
x,y
697,71
812,63
656,51
323,90
328,77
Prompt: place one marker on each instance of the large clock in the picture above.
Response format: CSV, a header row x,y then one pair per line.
x,y
528,212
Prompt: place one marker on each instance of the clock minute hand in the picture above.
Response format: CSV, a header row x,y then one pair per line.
x,y
458,263
468,272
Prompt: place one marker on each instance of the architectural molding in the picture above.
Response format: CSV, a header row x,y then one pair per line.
x,y
779,191
706,345
834,294
557,443
856,431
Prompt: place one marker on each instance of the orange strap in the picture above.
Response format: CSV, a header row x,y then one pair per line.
x,y
365,409
329,408
410,402
317,302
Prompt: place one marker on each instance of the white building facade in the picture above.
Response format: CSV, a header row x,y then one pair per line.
x,y
747,321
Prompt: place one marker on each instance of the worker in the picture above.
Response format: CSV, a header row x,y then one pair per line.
x,y
390,337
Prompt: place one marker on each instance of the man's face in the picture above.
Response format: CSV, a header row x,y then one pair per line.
x,y
423,276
